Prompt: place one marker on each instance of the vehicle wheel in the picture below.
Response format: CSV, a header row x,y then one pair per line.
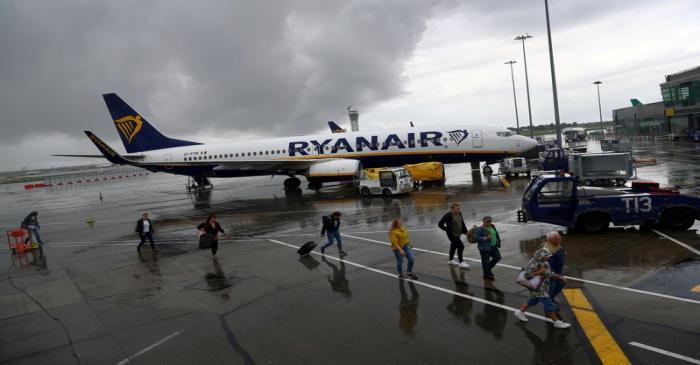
x,y
678,219
487,170
620,182
416,185
292,183
386,193
365,191
593,223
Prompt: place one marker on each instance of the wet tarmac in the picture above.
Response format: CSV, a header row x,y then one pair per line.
x,y
261,303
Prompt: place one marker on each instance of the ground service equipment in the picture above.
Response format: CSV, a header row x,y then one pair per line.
x,y
514,166
385,181
562,201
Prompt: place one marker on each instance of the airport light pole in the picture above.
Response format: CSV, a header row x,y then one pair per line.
x,y
527,83
557,126
515,101
600,110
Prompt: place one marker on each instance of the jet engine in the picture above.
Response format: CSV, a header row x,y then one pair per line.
x,y
334,170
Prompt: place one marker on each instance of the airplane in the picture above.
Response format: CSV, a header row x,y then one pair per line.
x,y
335,128
320,158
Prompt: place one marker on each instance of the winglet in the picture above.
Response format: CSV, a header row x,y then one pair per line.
x,y
110,154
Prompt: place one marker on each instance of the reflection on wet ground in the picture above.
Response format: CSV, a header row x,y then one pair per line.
x,y
261,303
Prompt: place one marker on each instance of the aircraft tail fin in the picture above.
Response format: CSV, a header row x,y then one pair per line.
x,y
136,133
335,128
636,102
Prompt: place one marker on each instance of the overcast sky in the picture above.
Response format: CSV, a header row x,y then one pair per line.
x,y
231,70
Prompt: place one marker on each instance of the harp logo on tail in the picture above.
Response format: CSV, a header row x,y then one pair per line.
x,y
458,135
129,126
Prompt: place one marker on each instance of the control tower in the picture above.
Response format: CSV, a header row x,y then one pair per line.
x,y
354,116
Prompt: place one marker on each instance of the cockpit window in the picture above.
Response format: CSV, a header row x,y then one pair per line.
x,y
504,134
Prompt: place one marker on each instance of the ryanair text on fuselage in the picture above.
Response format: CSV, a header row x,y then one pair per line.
x,y
372,143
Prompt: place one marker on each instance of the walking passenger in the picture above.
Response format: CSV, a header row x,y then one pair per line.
x,y
31,224
453,225
401,246
489,242
144,228
539,265
331,229
556,263
212,228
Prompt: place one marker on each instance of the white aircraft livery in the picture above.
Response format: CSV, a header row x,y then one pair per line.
x,y
321,158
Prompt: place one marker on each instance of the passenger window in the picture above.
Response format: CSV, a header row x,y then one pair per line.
x,y
284,151
556,191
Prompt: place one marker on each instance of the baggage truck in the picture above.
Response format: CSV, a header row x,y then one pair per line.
x,y
607,168
385,181
561,200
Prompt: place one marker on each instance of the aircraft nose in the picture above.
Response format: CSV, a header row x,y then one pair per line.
x,y
527,143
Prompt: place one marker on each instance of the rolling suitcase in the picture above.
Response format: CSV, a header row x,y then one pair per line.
x,y
306,248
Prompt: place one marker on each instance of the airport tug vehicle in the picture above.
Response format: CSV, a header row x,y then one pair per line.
x,y
513,166
385,181
559,199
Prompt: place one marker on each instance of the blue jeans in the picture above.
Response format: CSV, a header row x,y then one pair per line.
x,y
333,235
555,287
399,259
547,303
35,232
489,259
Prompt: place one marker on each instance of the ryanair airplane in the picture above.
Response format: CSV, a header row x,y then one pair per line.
x,y
320,158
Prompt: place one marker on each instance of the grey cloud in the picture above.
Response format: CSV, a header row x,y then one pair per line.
x,y
254,67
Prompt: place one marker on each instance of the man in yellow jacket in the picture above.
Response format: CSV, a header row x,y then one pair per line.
x,y
401,246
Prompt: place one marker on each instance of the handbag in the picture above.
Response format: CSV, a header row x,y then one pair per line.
x,y
206,241
530,284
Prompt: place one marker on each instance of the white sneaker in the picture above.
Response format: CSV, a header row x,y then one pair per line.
x,y
521,316
561,324
453,262
463,265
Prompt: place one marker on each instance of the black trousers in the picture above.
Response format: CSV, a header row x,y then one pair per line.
x,y
456,245
214,247
148,235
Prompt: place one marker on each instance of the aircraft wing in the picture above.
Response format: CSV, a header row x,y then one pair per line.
x,y
128,157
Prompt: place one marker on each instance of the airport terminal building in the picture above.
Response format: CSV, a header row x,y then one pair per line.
x,y
677,113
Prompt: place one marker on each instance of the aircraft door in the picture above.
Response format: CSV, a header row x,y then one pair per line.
x,y
477,140
167,156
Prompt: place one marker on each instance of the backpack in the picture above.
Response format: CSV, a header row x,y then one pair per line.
x,y
326,221
471,234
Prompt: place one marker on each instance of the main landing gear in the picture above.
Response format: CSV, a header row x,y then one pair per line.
x,y
199,183
292,183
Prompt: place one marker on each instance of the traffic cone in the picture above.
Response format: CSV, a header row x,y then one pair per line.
x,y
90,219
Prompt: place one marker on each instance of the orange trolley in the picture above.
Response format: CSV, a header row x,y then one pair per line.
x,y
15,241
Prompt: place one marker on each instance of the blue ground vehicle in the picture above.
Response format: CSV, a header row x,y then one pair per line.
x,y
560,200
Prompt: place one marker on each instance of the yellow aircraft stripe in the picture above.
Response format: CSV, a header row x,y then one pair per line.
x,y
609,352
696,289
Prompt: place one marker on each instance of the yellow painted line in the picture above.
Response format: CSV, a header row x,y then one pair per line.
x,y
609,352
696,289
504,181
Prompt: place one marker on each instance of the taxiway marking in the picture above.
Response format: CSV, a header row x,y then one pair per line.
x,y
421,283
664,352
609,352
677,242
638,291
148,348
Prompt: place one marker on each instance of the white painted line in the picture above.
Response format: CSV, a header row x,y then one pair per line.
x,y
435,287
667,353
677,242
136,242
149,348
568,277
